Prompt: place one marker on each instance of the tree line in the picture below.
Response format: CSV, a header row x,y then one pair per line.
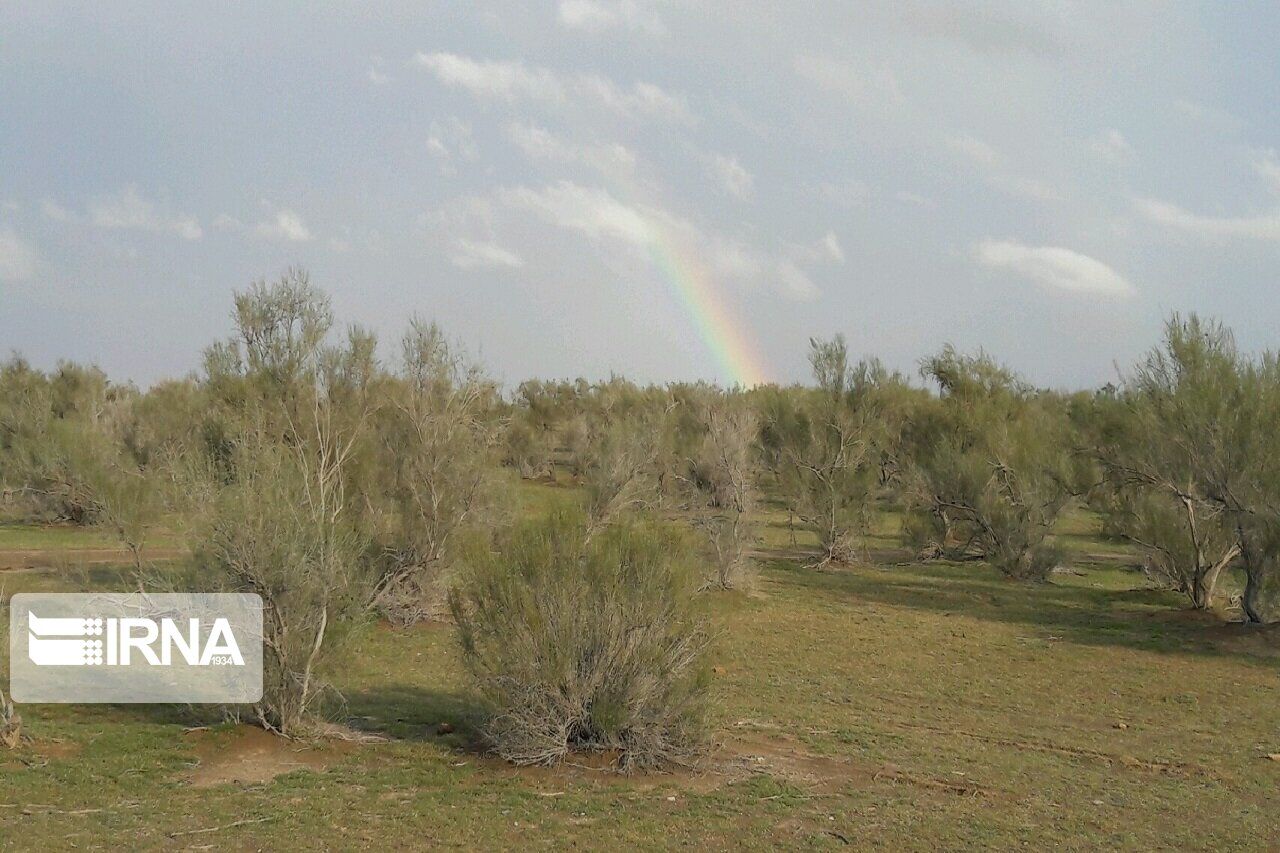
x,y
343,487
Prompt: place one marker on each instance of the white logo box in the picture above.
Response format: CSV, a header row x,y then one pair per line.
x,y
135,647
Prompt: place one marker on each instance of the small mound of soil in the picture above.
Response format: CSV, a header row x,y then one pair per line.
x,y
248,755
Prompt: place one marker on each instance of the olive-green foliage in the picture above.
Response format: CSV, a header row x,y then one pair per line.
x,y
582,641
285,501
713,476
1191,443
282,530
825,448
990,468
435,427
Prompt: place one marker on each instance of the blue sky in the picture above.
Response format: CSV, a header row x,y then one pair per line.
x,y
1045,180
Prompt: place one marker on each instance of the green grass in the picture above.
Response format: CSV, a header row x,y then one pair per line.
x,y
892,706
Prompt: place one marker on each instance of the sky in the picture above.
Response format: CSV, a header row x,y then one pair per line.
x,y
664,190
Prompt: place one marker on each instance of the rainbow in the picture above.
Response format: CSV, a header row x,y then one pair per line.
x,y
697,292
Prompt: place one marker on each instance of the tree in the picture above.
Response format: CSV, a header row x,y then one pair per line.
x,y
716,477
989,468
435,435
824,447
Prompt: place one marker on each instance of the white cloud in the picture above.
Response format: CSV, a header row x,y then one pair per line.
x,y
1110,146
833,248
1268,168
868,86
55,212
1028,188
451,141
795,282
1053,267
17,257
1264,226
504,80
471,254
595,16
540,144
285,225
514,81
985,28
377,74
975,149
732,177
591,211
594,212
847,194
997,172
916,199
129,210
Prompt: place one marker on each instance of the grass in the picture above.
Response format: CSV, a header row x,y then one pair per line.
x,y
895,705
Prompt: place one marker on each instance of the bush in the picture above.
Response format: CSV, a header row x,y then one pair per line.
x,y
582,642
283,529
989,470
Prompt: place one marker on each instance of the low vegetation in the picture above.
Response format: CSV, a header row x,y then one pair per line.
x,y
586,640
348,492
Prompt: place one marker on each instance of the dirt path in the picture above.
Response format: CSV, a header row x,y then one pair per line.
x,y
51,559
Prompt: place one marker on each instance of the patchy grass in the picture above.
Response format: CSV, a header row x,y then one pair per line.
x,y
887,705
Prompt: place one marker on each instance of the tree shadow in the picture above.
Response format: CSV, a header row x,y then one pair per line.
x,y
400,712
1139,618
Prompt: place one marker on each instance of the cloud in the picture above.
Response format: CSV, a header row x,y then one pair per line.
x,y
1053,267
286,225
997,171
848,194
865,86
795,282
55,212
595,16
1207,115
540,144
916,199
1110,146
975,149
514,81
825,249
451,141
472,254
129,210
1267,167
595,213
983,30
832,246
731,176
1028,188
17,257
589,210
1264,226
377,74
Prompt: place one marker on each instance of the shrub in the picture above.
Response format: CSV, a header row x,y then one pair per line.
x,y
582,642
716,478
989,470
826,448
435,434
10,724
282,531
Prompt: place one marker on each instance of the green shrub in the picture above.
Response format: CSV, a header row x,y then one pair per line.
x,y
582,642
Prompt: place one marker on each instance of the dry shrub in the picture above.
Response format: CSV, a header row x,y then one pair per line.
x,y
718,487
10,724
582,642
283,530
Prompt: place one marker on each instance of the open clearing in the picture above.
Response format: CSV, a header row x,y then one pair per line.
x,y
890,704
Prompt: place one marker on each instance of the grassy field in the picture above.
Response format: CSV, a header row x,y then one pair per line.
x,y
893,705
